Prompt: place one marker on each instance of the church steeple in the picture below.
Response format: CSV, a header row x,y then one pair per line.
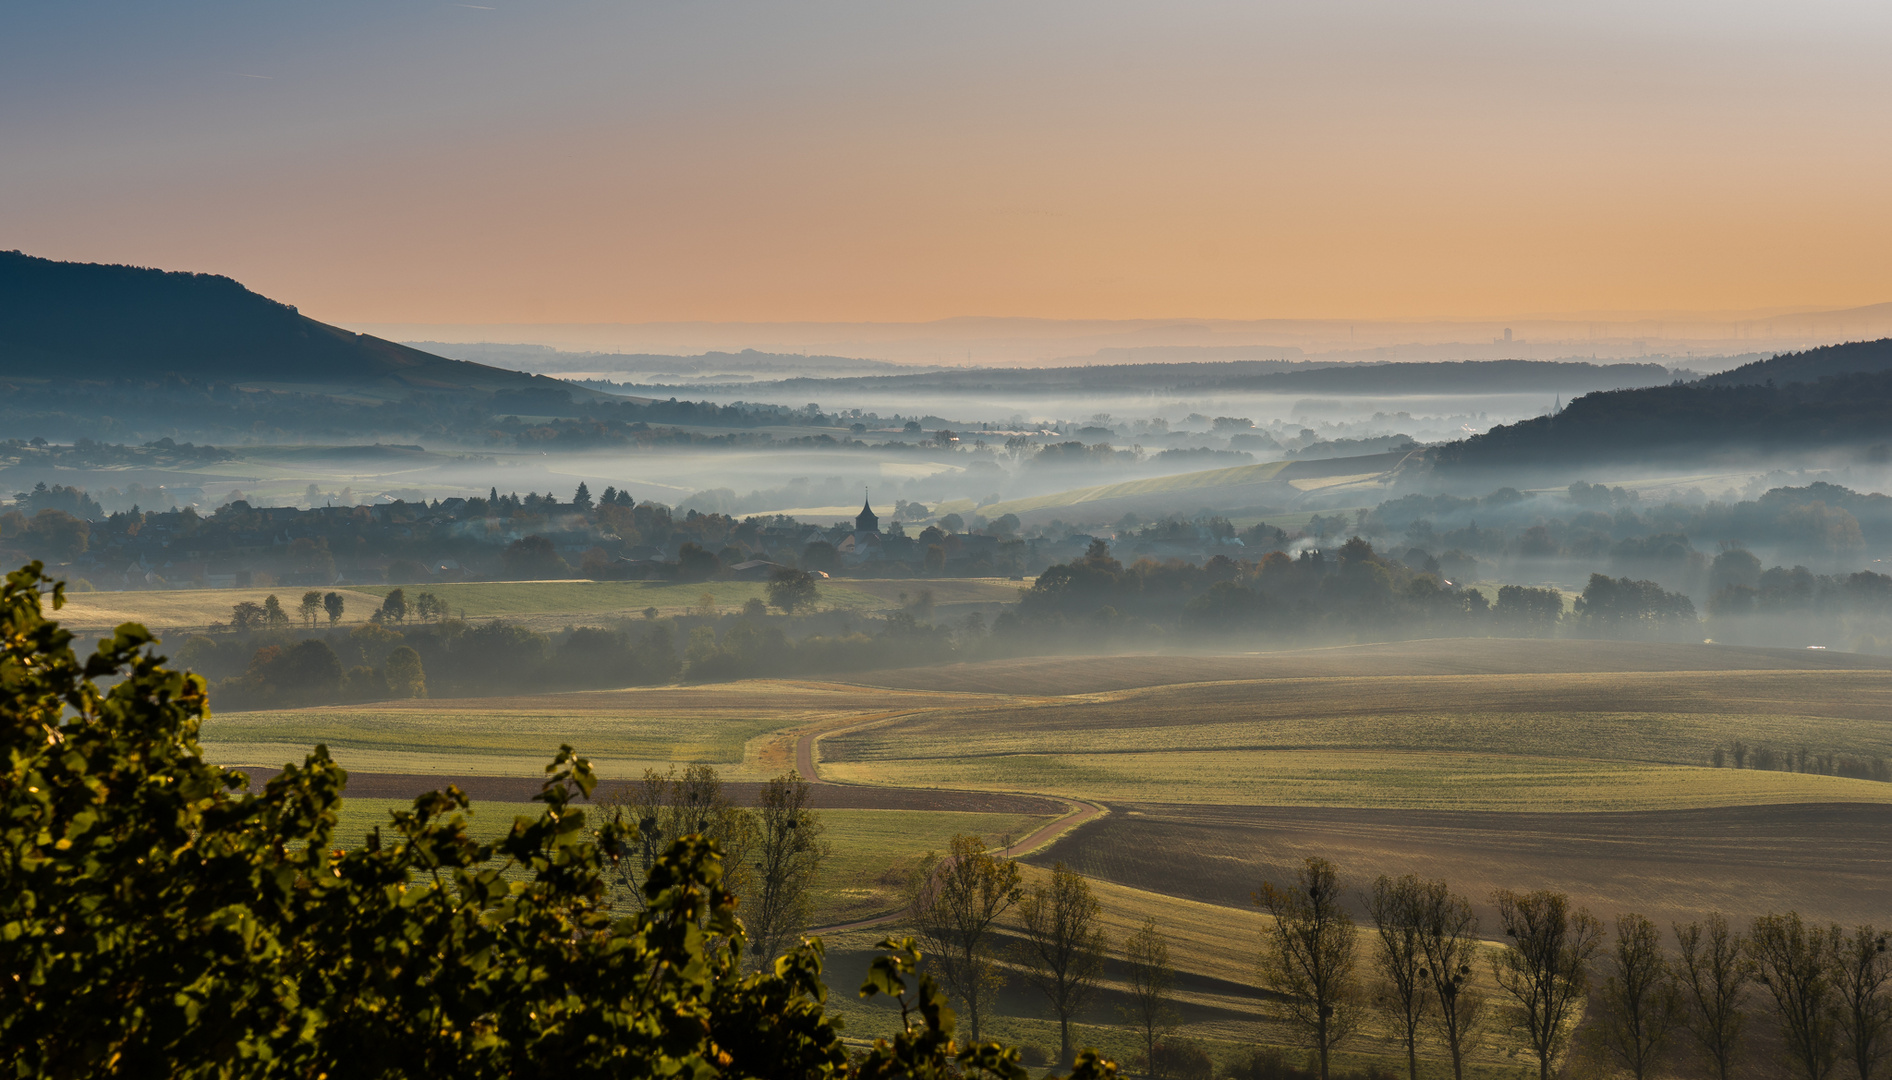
x,y
866,521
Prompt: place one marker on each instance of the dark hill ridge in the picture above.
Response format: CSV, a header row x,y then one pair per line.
x,y
1854,357
1835,396
95,321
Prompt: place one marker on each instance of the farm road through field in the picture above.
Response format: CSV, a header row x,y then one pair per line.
x,y
1829,861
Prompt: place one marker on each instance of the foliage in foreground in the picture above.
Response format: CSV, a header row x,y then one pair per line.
x,y
158,919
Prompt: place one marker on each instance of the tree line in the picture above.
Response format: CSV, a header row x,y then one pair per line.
x,y
1826,990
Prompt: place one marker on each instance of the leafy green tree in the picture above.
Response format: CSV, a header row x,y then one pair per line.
x,y
162,920
394,606
697,563
1308,956
274,617
1064,946
790,589
245,616
581,499
311,607
57,535
1545,966
534,557
403,673
955,900
333,604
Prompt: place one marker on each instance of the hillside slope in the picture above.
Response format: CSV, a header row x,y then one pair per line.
x,y
1837,396
1853,357
95,321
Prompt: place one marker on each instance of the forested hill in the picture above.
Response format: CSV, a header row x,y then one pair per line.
x,y
1831,397
98,322
1810,366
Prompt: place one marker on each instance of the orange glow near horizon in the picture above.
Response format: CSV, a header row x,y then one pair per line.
x,y
1223,164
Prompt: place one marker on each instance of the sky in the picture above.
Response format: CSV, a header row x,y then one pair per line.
x,y
894,160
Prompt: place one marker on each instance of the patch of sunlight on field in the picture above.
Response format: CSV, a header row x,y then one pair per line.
x,y
735,726
1456,781
1649,738
485,821
573,599
655,737
875,849
193,608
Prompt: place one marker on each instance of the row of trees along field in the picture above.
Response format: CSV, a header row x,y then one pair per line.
x,y
414,646
1351,593
415,655
1647,1012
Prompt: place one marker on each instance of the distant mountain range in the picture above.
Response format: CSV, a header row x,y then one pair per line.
x,y
1260,376
91,321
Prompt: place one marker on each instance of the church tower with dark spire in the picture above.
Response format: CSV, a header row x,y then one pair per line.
x,y
866,521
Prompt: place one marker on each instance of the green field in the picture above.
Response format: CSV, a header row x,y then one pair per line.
x,y
730,725
1265,731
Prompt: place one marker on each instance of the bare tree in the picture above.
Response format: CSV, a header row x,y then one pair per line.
x,y
1714,976
955,901
1308,955
663,807
1398,909
1862,968
1449,938
1545,964
789,852
1795,962
1642,1003
1151,980
1064,947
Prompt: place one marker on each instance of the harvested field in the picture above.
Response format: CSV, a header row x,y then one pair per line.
x,y
1463,780
732,725
1432,656
401,788
1522,739
1829,861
